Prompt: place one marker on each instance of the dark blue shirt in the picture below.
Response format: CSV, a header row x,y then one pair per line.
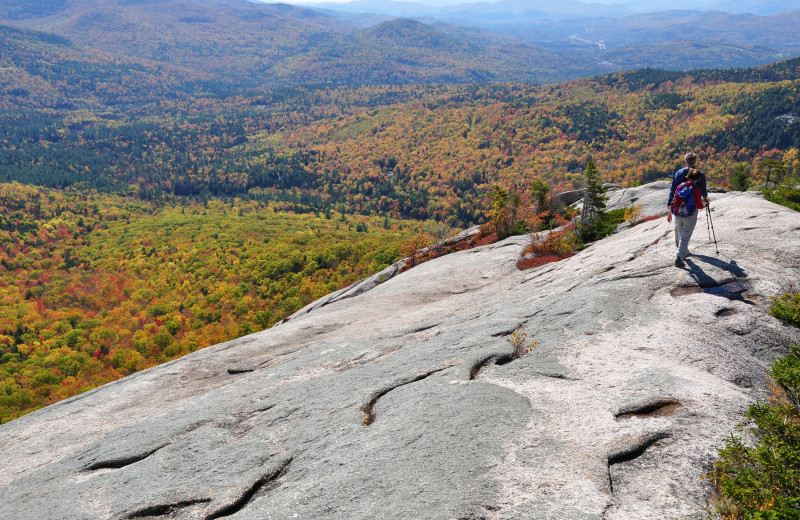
x,y
679,176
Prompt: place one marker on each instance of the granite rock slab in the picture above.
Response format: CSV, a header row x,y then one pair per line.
x,y
405,401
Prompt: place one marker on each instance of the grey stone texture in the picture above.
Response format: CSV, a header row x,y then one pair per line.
x,y
651,197
403,402
566,198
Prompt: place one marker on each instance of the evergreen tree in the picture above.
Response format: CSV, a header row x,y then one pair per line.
x,y
740,178
498,219
540,192
594,196
772,166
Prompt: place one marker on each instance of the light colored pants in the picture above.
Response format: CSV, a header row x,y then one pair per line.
x,y
684,227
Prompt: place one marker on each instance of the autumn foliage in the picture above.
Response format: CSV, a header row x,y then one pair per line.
x,y
94,287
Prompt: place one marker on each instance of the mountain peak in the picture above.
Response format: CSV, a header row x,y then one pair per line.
x,y
407,32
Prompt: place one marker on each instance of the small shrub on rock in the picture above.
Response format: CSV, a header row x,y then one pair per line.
x,y
648,219
412,249
633,214
538,261
787,308
760,479
546,247
785,194
483,240
519,340
605,224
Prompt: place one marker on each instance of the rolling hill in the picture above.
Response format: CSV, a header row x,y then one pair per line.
x,y
253,45
40,70
599,38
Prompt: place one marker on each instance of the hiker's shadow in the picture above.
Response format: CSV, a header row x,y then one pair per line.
x,y
736,290
732,267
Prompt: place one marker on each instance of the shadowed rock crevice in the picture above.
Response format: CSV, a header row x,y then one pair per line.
x,y
628,275
369,405
241,370
122,461
504,333
423,328
660,408
165,509
246,367
632,450
629,453
241,502
497,359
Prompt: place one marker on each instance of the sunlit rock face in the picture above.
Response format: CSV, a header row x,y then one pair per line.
x,y
405,401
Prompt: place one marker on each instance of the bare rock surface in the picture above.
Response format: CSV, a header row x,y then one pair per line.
x,y
403,402
651,197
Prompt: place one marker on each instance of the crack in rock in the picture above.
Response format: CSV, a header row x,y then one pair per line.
x,y
369,406
122,461
422,328
239,503
630,275
240,370
165,509
283,417
660,408
632,449
508,332
497,359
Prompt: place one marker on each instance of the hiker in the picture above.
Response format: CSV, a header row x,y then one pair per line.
x,y
686,197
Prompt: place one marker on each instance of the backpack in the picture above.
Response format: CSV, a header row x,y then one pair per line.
x,y
683,202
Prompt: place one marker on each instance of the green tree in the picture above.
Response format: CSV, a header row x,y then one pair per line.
x,y
740,177
594,202
770,167
498,218
541,195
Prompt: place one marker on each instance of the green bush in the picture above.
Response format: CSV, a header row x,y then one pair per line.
x,y
605,224
759,478
785,195
787,308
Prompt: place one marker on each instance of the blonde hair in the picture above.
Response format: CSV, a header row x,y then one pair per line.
x,y
693,175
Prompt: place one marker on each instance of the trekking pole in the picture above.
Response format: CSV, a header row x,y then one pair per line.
x,y
711,222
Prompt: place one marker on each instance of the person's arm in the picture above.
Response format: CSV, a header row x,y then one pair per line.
x,y
698,198
673,187
702,186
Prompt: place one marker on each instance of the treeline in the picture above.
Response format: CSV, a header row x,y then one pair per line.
x,y
647,78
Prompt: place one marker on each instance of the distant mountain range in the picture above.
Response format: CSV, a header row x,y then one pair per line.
x,y
253,45
706,33
672,39
234,44
488,12
479,13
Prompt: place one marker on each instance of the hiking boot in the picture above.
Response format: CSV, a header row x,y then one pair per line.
x,y
679,262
